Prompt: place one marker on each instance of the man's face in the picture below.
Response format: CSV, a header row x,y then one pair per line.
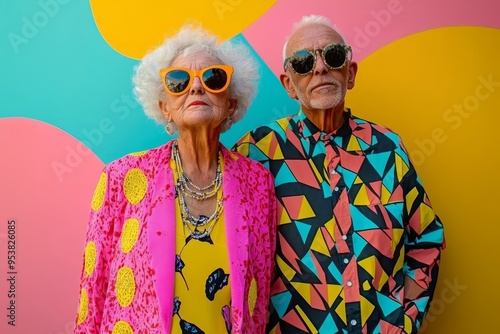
x,y
323,88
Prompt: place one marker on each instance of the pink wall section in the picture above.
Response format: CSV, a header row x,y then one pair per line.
x,y
369,25
46,266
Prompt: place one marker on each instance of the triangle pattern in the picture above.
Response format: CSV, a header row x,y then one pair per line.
x,y
387,304
328,325
379,161
360,221
284,175
281,301
303,230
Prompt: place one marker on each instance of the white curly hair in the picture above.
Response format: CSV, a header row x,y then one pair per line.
x,y
192,38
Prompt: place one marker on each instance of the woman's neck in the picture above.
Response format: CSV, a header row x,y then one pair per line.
x,y
199,155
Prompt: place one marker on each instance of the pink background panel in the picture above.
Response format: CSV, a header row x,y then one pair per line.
x,y
366,24
51,216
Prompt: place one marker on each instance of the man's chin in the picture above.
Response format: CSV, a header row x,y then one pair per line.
x,y
325,105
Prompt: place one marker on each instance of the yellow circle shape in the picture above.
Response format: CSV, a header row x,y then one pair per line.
x,y
122,327
90,258
135,185
125,286
99,193
83,310
138,154
252,295
133,27
130,233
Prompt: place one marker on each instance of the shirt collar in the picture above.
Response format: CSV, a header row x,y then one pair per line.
x,y
307,129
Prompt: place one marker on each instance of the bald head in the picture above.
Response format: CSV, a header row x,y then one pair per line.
x,y
311,23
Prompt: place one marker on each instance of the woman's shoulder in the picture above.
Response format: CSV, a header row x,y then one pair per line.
x,y
236,160
249,172
144,160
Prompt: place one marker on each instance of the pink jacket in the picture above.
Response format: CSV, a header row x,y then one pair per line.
x,y
129,263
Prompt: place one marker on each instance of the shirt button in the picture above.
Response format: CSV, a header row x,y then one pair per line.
x,y
344,237
336,188
354,322
349,283
346,261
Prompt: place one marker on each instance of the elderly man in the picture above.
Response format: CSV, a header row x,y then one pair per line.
x,y
358,243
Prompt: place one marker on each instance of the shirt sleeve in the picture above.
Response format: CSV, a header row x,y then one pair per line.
x,y
424,241
96,259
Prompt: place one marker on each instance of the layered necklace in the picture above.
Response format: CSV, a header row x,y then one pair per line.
x,y
186,188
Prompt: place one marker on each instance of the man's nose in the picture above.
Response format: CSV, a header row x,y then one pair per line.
x,y
320,67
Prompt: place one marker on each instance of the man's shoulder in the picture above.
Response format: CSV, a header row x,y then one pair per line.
x,y
277,128
378,130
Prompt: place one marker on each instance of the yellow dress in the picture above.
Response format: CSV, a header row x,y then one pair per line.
x,y
202,293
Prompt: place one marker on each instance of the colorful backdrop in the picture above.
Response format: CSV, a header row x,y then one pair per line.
x,y
429,70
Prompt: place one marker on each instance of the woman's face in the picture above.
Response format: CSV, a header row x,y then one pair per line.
x,y
197,108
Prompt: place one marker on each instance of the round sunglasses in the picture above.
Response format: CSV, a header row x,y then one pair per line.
x,y
334,56
178,80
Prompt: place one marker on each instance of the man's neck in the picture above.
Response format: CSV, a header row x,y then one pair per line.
x,y
327,120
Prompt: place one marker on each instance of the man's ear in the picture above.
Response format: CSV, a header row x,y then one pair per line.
x,y
287,83
351,79
164,110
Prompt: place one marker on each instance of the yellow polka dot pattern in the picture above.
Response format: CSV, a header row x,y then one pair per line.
x,y
99,193
125,286
135,185
90,258
138,154
84,306
130,233
252,295
122,327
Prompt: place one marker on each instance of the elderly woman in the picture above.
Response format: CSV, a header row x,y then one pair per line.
x,y
181,237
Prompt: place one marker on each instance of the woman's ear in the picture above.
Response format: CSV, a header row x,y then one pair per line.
x,y
164,110
286,81
232,106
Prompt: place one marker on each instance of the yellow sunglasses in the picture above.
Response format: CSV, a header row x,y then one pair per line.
x,y
178,80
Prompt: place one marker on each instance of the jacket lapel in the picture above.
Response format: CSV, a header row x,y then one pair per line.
x,y
236,234
161,235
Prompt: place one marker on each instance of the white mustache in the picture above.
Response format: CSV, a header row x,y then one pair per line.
x,y
331,81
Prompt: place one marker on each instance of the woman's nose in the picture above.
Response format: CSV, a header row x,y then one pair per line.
x,y
196,87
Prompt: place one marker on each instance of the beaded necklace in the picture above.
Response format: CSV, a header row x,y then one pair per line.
x,y
185,187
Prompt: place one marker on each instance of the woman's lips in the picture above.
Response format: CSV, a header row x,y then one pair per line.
x,y
197,103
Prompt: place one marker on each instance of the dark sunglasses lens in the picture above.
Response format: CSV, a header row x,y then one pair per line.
x,y
215,78
177,80
335,56
302,62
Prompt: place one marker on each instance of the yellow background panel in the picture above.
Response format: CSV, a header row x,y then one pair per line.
x,y
134,27
440,90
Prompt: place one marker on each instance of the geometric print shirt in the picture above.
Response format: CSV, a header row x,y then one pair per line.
x,y
353,221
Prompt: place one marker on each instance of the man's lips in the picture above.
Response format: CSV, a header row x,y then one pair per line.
x,y
197,103
324,85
